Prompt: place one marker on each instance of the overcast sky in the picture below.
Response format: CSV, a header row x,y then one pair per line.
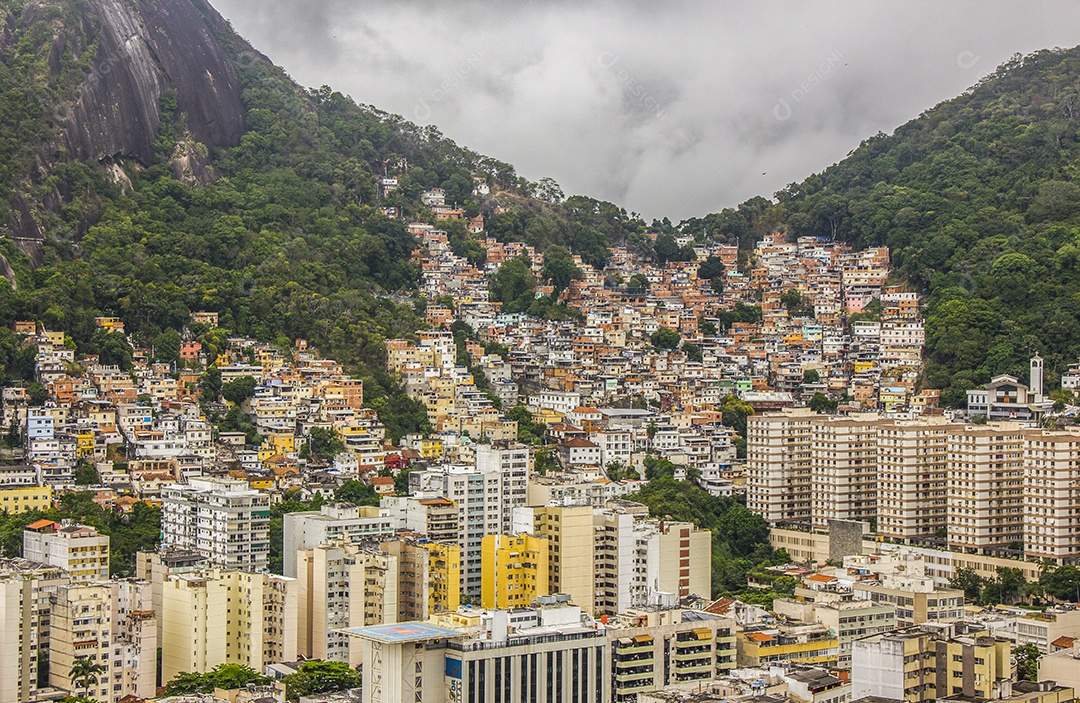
x,y
668,108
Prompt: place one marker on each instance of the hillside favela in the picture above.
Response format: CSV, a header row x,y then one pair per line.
x,y
303,402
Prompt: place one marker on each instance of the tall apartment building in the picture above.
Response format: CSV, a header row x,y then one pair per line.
x,y
913,478
843,469
1051,494
485,495
444,577
77,549
571,541
227,617
25,608
778,453
111,624
333,522
158,565
223,519
679,559
342,586
515,571
412,578
985,487
622,552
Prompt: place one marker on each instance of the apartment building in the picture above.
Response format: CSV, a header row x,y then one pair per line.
x,y
985,487
485,495
778,452
762,646
652,649
569,534
1042,629
1051,492
25,609
223,519
843,469
339,586
444,577
77,549
227,617
552,653
916,598
333,522
112,624
912,478
848,617
515,571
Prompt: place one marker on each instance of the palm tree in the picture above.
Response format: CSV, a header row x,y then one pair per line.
x,y
84,674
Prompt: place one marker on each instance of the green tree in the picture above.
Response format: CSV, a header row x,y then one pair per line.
x,y
84,674
317,677
560,272
224,676
210,384
86,475
357,493
811,376
239,390
167,346
36,394
325,443
665,338
1027,662
969,582
821,403
711,268
1063,583
692,351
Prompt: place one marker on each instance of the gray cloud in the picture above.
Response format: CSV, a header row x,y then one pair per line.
x,y
669,109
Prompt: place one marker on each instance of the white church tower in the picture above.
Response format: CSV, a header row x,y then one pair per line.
x,y
1036,378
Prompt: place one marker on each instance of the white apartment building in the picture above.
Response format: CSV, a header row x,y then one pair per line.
x,y
1051,494
25,588
912,478
77,549
333,522
985,465
112,624
843,469
778,452
223,519
486,495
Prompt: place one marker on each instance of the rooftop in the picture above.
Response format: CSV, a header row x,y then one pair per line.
x,y
401,633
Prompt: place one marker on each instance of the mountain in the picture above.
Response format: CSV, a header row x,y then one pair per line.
x,y
978,200
153,163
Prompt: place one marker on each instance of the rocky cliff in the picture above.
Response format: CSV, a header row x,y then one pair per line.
x,y
112,70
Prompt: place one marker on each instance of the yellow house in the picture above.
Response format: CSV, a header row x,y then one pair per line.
x,y
262,483
25,498
444,577
277,443
432,448
513,570
84,446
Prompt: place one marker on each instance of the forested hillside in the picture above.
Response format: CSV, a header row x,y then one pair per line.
x,y
978,200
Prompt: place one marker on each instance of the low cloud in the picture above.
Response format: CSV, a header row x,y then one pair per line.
x,y
674,109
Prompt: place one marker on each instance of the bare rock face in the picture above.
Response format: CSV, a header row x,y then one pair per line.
x,y
144,49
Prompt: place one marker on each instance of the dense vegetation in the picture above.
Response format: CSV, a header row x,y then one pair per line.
x,y
977,200
740,539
